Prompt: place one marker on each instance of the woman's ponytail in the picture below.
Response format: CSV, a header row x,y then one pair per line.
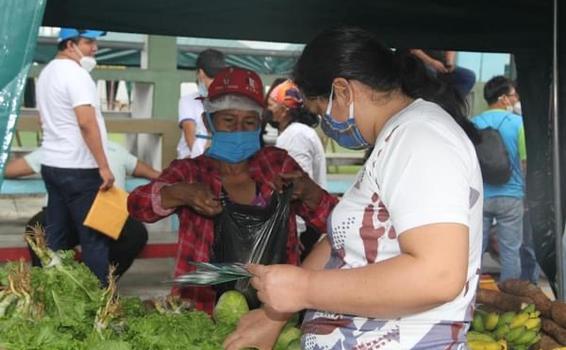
x,y
417,82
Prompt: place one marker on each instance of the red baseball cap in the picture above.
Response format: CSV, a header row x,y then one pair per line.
x,y
240,81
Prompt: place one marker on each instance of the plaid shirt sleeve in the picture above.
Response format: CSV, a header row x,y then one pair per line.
x,y
196,233
317,217
144,203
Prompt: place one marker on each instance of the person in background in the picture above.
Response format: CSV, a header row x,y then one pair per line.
x,y
194,136
398,268
269,133
234,167
442,64
74,164
286,112
504,203
134,234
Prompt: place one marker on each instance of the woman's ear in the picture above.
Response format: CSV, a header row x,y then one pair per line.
x,y
342,92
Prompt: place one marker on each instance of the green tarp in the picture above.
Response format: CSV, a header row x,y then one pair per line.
x,y
19,25
470,25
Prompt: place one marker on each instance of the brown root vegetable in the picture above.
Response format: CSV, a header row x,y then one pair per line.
x,y
546,343
502,301
554,330
529,290
558,313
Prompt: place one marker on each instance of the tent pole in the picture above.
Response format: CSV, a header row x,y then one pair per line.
x,y
556,159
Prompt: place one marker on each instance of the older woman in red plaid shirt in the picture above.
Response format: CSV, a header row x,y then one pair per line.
x,y
235,166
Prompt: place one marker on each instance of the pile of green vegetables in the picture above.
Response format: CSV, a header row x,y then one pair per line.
x,y
62,306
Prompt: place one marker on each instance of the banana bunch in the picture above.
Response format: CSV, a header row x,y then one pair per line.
x,y
509,330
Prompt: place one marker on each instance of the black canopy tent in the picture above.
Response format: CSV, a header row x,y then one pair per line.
x,y
521,27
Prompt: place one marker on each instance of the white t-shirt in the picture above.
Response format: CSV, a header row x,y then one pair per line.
x,y
190,108
304,146
423,170
121,162
63,85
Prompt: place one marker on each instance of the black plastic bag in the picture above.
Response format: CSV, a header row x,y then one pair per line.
x,y
251,234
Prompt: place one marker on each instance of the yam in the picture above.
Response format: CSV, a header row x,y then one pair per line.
x,y
502,301
558,313
554,330
546,343
526,289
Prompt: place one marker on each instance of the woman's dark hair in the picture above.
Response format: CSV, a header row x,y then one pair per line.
x,y
356,54
299,114
303,116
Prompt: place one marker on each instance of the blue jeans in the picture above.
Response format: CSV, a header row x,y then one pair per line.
x,y
508,212
70,195
463,80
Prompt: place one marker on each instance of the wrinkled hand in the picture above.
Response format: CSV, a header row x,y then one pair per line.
x,y
200,197
438,66
304,188
257,329
281,288
107,179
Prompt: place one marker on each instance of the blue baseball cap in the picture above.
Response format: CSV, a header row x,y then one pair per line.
x,y
68,33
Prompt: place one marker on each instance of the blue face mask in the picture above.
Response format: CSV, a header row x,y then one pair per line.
x,y
233,147
346,134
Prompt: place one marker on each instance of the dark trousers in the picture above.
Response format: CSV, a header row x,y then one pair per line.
x,y
123,251
70,196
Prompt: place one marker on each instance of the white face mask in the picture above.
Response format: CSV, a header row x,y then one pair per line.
x,y
87,62
517,108
202,89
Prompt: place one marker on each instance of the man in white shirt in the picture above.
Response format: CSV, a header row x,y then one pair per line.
x,y
74,161
194,137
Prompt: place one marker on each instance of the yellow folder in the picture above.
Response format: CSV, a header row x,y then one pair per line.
x,y
108,212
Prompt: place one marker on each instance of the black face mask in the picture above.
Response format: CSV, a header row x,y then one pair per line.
x,y
267,117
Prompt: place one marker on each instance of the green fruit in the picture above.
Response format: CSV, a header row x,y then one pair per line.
x,y
483,345
529,308
506,318
514,334
519,320
477,323
533,324
294,345
230,307
501,331
535,340
491,321
525,338
477,336
288,335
